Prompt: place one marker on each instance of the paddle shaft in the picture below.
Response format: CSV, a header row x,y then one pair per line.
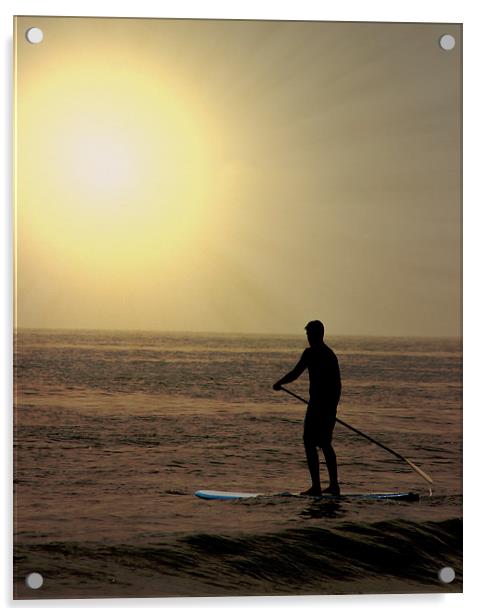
x,y
343,423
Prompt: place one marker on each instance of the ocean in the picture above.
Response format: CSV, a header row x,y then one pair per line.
x,y
115,431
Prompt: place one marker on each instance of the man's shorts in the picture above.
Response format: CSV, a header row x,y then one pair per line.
x,y
319,424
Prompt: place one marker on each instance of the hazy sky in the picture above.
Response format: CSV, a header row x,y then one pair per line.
x,y
238,176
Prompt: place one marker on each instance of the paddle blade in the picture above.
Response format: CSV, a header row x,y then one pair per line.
x,y
422,473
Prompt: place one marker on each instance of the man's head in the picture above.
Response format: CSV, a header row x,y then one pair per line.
x,y
315,331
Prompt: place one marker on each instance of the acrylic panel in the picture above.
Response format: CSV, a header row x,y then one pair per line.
x,y
237,280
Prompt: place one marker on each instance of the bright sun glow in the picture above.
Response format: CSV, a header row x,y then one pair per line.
x,y
128,167
103,162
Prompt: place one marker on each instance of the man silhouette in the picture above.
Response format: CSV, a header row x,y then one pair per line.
x,y
320,419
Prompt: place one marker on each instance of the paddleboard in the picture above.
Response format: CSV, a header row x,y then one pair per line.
x,y
219,495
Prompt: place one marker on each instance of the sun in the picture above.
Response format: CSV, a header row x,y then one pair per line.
x,y
129,168
102,163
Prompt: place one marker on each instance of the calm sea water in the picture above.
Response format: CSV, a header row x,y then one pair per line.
x,y
115,431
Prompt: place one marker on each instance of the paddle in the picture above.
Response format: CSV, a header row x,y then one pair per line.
x,y
372,440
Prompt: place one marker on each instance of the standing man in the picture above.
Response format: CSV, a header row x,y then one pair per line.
x,y
325,390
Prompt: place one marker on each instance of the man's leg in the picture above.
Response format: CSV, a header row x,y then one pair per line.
x,y
309,440
328,425
330,459
313,466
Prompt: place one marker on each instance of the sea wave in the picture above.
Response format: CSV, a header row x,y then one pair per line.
x,y
313,560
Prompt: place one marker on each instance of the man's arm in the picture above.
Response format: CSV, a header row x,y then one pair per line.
x,y
293,374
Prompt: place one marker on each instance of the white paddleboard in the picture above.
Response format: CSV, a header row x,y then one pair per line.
x,y
216,495
219,495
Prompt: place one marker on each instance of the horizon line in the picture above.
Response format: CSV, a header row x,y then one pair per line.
x,y
233,333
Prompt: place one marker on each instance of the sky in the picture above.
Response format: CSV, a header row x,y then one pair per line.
x,y
237,176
